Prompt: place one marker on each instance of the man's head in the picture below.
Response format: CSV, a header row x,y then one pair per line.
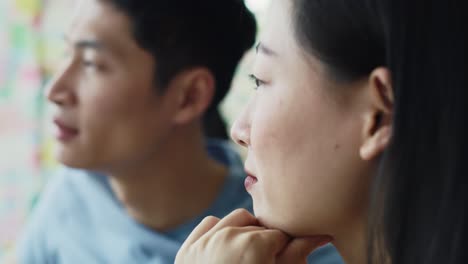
x,y
136,69
185,33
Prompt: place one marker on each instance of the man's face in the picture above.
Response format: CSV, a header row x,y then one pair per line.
x,y
108,114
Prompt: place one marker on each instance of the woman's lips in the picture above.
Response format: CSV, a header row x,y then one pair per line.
x,y
64,133
250,180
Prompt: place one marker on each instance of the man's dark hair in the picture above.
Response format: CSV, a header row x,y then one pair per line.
x,y
181,34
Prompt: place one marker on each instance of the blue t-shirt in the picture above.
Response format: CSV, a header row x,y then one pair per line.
x,y
79,220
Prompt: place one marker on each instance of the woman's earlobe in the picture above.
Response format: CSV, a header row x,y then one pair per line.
x,y
373,146
378,122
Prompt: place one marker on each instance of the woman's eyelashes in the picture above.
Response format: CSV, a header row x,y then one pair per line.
x,y
258,83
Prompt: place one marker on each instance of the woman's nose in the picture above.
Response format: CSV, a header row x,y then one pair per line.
x,y
240,131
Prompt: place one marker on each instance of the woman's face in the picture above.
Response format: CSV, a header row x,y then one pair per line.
x,y
303,132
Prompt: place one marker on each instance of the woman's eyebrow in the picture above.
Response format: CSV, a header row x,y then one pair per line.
x,y
262,48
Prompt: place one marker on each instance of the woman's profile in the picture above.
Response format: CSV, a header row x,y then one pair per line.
x,y
356,135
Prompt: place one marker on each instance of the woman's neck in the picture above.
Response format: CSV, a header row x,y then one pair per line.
x,y
352,244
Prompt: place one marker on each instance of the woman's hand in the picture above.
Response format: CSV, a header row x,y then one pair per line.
x,y
239,238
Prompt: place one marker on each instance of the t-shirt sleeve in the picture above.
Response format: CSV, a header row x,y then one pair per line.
x,y
35,245
31,248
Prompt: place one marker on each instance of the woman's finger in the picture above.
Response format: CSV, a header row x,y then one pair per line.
x,y
205,225
237,218
248,244
299,248
269,242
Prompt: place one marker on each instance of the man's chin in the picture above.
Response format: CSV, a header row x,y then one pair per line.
x,y
73,164
71,160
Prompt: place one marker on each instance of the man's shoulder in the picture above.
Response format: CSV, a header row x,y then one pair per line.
x,y
65,194
62,201
67,182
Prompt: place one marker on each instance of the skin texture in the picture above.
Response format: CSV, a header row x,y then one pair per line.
x,y
313,146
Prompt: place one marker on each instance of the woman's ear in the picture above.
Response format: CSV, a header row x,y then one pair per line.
x,y
377,130
195,92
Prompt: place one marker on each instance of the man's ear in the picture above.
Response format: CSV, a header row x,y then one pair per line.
x,y
377,130
195,90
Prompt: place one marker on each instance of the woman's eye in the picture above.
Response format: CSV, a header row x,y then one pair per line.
x,y
256,81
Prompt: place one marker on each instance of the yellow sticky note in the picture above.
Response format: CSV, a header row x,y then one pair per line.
x,y
28,7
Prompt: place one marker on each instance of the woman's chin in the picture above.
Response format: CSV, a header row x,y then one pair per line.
x,y
289,226
271,222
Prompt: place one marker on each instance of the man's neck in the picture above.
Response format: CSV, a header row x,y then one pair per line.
x,y
174,186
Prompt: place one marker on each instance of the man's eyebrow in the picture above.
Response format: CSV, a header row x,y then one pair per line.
x,y
262,48
85,43
89,44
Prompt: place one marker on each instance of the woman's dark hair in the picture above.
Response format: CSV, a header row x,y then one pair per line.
x,y
419,200
182,34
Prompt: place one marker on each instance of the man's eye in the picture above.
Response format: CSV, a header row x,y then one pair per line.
x,y
88,64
